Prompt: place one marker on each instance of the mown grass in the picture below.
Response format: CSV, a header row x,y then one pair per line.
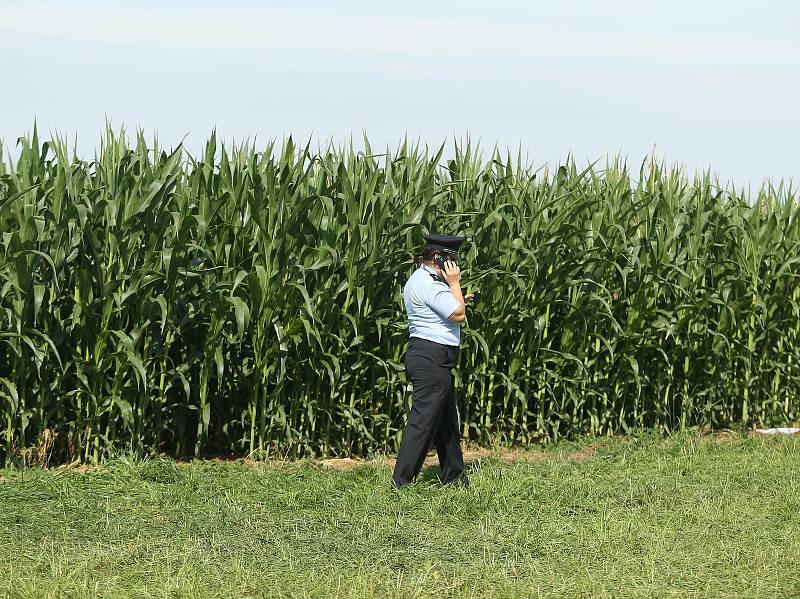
x,y
686,516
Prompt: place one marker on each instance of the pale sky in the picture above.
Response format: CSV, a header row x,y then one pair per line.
x,y
709,84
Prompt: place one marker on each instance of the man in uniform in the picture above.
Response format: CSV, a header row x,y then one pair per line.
x,y
435,308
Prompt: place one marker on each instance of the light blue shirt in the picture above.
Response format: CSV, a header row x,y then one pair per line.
x,y
428,303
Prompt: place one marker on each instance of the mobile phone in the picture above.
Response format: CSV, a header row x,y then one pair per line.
x,y
475,297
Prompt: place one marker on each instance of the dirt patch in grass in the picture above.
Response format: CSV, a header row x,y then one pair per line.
x,y
82,468
472,454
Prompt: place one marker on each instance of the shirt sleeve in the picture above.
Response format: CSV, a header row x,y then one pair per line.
x,y
440,300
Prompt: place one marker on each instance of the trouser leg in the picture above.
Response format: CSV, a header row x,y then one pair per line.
x,y
448,442
431,383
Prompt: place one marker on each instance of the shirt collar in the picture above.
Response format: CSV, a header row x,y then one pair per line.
x,y
433,272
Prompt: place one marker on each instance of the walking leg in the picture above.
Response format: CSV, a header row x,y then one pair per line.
x,y
448,443
431,385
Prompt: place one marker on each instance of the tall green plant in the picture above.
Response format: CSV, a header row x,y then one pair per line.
x,y
249,300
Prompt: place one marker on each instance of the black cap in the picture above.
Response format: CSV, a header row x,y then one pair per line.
x,y
446,243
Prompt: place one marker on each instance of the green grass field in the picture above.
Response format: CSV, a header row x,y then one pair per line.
x,y
686,516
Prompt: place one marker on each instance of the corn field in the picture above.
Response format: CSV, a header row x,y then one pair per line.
x,y
248,301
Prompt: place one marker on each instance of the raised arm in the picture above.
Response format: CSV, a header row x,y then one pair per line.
x,y
452,275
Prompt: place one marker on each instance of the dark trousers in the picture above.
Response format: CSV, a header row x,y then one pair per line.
x,y
433,418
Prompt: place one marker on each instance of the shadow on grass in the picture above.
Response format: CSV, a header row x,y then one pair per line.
x,y
433,474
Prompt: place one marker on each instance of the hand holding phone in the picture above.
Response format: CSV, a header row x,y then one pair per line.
x,y
452,273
